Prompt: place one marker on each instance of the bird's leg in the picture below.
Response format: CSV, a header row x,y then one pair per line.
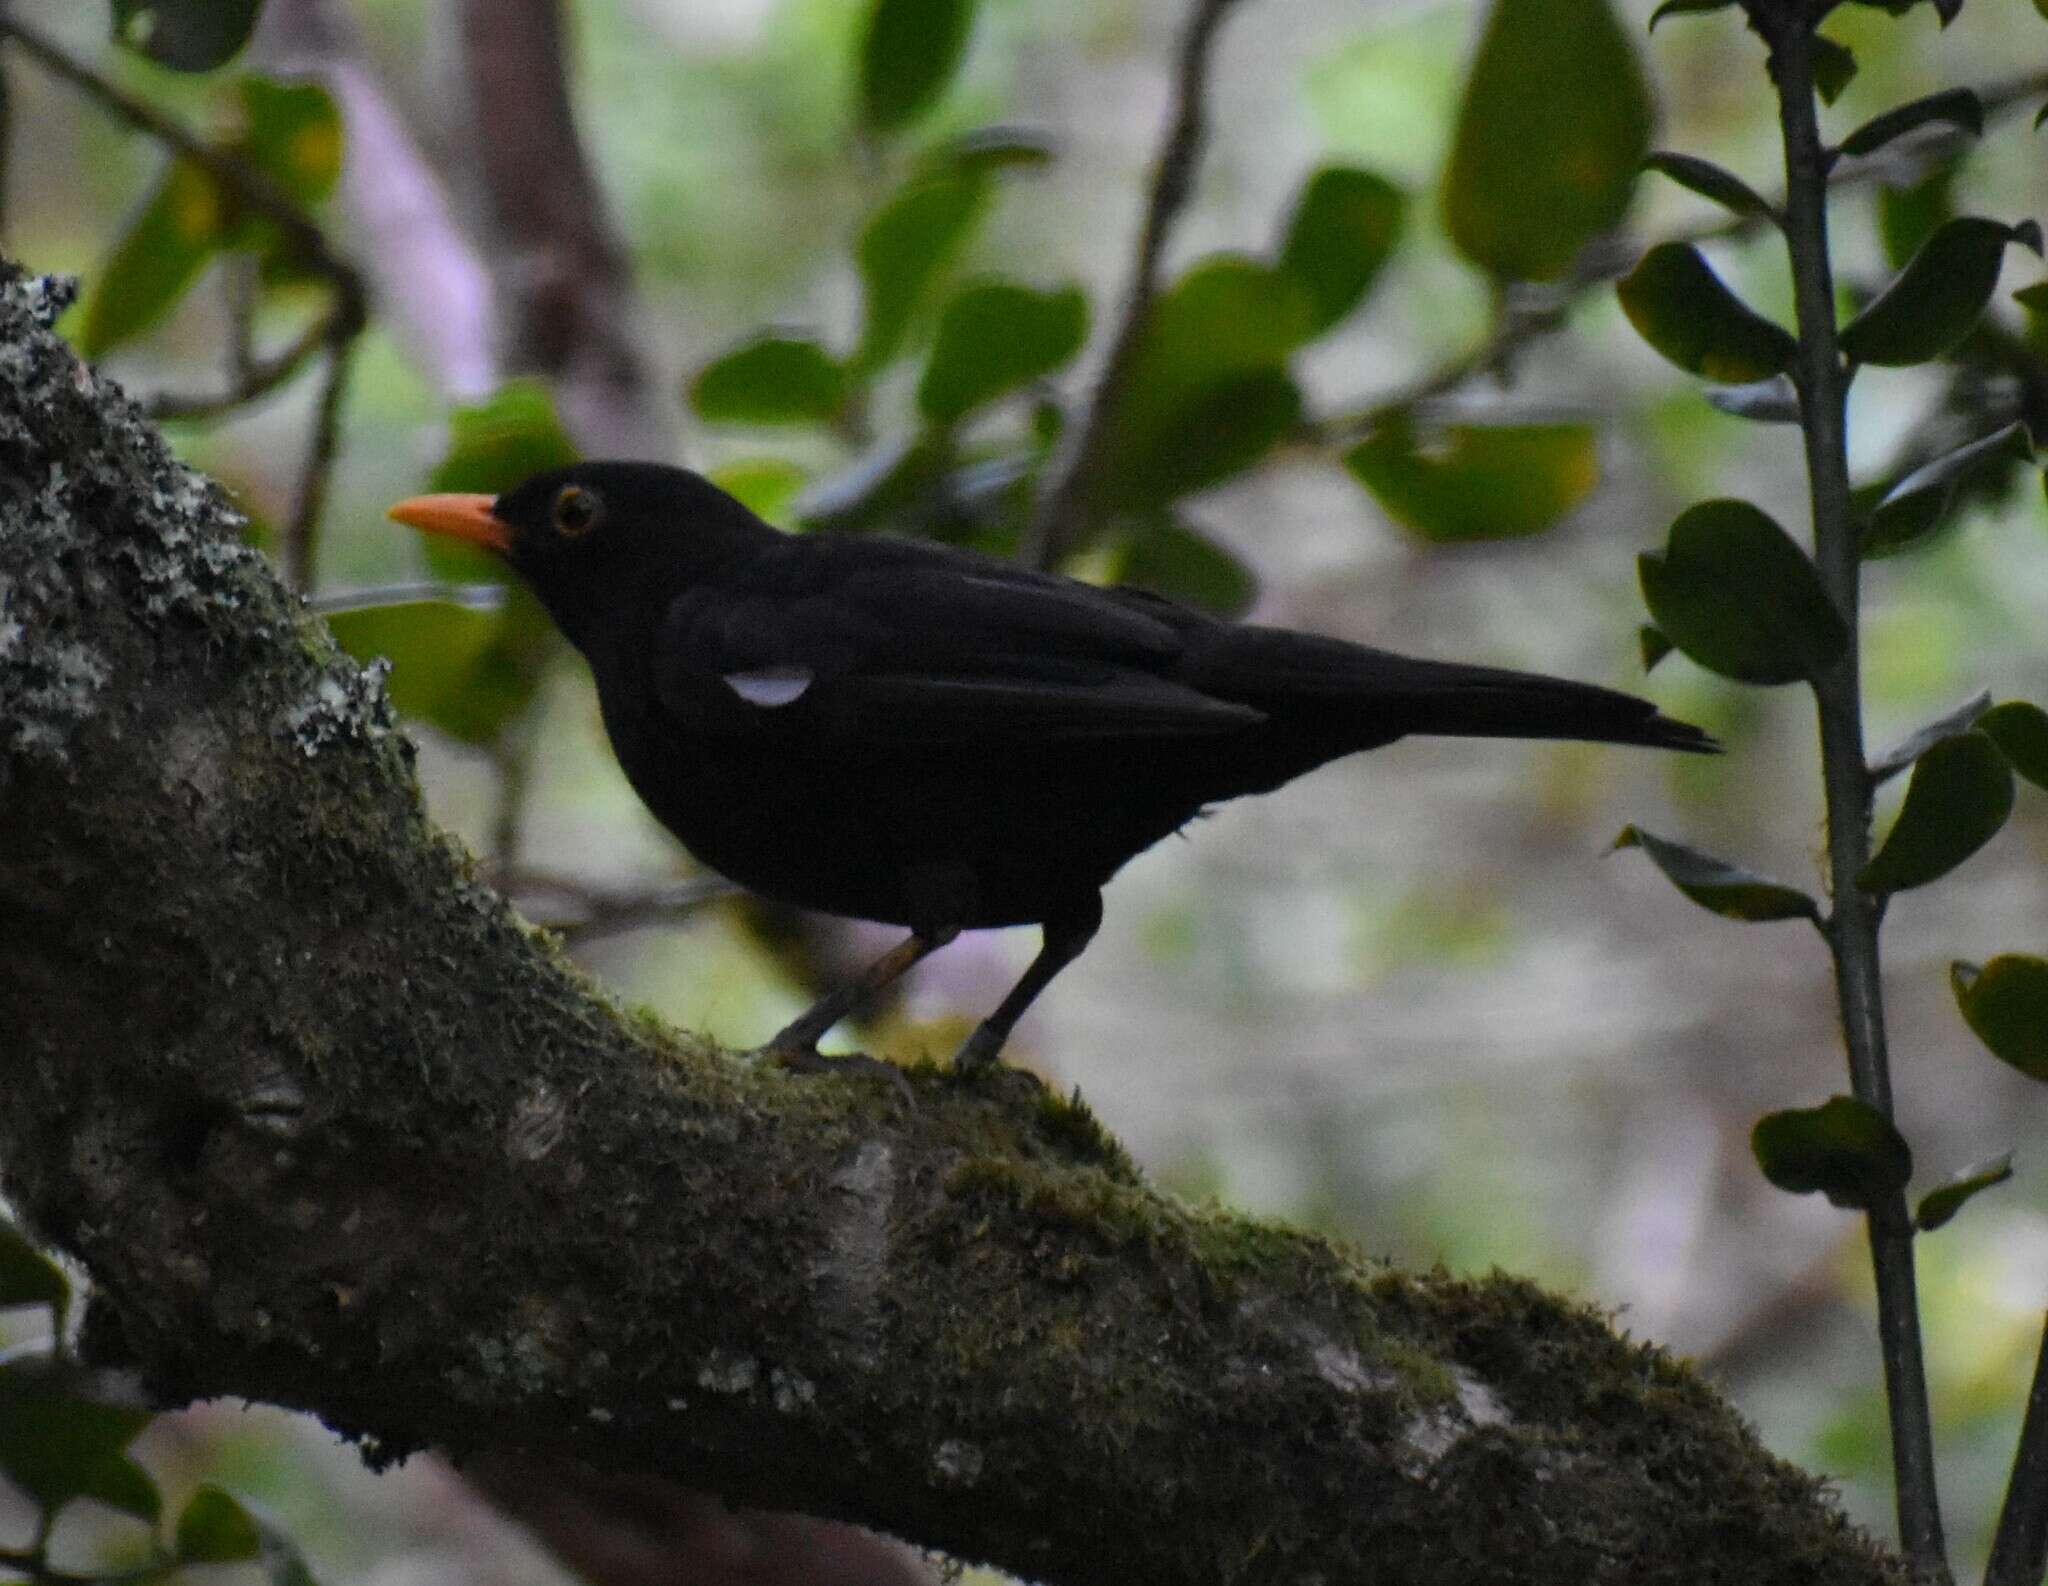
x,y
1064,937
796,1046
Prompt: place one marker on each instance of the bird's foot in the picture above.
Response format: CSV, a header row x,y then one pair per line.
x,y
809,1060
980,1052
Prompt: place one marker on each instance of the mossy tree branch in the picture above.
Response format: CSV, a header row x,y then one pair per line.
x,y
330,1128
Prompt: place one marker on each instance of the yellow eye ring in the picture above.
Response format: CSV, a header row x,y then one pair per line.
x,y
577,511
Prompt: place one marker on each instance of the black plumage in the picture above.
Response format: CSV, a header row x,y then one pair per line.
x,y
918,735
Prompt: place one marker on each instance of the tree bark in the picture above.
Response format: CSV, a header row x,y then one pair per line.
x,y
331,1128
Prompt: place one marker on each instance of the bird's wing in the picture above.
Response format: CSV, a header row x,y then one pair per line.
x,y
896,644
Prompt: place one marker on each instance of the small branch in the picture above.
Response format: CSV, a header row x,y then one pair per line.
x,y
2019,1552
588,913
254,380
1852,925
1063,506
302,534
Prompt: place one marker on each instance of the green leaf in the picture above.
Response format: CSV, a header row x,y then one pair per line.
x,y
1936,299
1900,756
1941,1203
1478,481
1918,504
1844,1148
185,35
214,1528
468,672
1680,307
182,224
1553,125
1714,884
292,132
1343,231
1676,8
2021,732
59,1441
1713,181
1908,216
1171,559
1960,794
1834,68
987,150
765,486
1653,644
1955,107
771,379
908,55
902,251
995,336
2006,1003
492,445
1207,393
1735,593
28,1277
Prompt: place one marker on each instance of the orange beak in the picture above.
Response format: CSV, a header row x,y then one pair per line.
x,y
463,517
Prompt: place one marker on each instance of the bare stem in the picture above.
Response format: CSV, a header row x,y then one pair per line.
x,y
2019,1553
1063,506
1852,925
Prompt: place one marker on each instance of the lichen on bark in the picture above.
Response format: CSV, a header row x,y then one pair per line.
x,y
330,1127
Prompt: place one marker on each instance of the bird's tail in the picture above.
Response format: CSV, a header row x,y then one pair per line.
x,y
1447,699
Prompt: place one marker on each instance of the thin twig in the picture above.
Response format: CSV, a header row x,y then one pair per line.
x,y
1072,472
2019,1552
588,913
256,379
1852,924
302,534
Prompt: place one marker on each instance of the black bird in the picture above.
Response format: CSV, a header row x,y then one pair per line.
x,y
922,736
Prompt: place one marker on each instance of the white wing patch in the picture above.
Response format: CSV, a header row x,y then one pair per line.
x,y
770,686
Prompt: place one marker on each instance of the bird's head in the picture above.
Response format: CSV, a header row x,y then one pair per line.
x,y
593,535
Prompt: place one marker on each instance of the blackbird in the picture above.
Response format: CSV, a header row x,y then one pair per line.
x,y
919,735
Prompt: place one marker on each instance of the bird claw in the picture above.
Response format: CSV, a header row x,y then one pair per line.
x,y
809,1060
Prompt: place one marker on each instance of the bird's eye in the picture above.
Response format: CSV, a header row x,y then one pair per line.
x,y
577,511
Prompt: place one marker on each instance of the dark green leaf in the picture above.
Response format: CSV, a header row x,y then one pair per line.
x,y
1675,8
1916,743
1735,593
186,35
907,56
1844,1148
1680,307
178,229
2006,1003
1207,393
1343,231
902,251
1834,68
772,379
1225,429
1169,558
1552,128
214,1528
1478,481
1955,107
1727,890
28,1277
990,149
995,336
2021,732
1941,1203
59,1440
1917,505
1908,216
1653,645
1713,181
1772,401
1960,794
492,446
1934,301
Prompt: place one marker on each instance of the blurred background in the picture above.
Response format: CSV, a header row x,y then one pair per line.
x,y
1410,1000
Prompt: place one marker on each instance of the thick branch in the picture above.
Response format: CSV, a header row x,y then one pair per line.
x,y
330,1128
